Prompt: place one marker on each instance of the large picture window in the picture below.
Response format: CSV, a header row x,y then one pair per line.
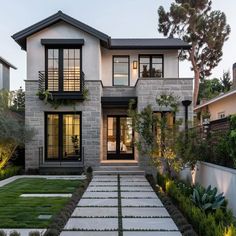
x,y
151,66
121,70
63,136
63,69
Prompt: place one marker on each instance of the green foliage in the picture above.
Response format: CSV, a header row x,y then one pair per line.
x,y
232,140
157,138
34,233
196,23
10,171
208,224
207,199
13,132
18,100
14,233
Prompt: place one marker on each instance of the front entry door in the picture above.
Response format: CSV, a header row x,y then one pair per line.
x,y
120,138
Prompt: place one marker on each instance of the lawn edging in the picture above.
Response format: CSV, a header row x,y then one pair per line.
x,y
59,221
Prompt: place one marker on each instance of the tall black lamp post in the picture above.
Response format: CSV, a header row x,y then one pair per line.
x,y
186,104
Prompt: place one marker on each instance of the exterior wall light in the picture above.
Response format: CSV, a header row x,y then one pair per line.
x,y
135,65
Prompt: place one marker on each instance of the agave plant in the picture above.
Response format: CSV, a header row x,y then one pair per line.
x,y
207,199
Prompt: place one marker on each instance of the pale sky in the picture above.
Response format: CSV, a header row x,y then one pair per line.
x,y
118,19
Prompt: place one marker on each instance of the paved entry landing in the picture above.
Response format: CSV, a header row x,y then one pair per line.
x,y
120,205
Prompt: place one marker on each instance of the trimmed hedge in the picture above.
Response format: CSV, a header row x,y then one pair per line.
x,y
10,171
218,223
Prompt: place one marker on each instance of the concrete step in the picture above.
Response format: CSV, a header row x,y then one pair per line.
x,y
116,172
124,170
120,163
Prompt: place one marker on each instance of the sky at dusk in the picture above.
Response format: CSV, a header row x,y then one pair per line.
x,y
118,19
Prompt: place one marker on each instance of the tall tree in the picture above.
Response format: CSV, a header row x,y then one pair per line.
x,y
18,100
226,81
206,30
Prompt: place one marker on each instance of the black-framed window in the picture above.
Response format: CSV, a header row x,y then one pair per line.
x,y
151,66
63,69
63,136
121,71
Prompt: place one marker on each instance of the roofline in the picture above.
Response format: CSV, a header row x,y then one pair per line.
x,y
20,37
215,99
150,47
7,63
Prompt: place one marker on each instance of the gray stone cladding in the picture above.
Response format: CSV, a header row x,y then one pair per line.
x,y
91,122
94,118
148,89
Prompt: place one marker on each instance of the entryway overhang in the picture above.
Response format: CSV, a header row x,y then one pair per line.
x,y
118,102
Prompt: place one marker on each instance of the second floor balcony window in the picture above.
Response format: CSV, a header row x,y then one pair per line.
x,y
121,70
151,66
63,69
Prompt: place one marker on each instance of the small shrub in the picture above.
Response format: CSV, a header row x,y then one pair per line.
x,y
10,171
3,233
34,233
89,170
14,233
52,232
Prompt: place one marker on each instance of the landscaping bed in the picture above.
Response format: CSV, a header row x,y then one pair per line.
x,y
21,212
218,222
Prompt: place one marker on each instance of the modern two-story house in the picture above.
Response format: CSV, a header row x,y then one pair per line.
x,y
98,76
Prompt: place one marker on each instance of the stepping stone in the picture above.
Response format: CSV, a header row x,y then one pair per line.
x,y
149,224
102,189
144,212
92,224
46,195
44,217
95,212
141,202
98,202
136,189
100,195
153,233
89,233
93,183
138,195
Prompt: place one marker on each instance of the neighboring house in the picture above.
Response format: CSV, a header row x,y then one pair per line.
x,y
5,74
69,58
221,106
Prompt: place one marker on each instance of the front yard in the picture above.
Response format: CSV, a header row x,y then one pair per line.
x,y
24,212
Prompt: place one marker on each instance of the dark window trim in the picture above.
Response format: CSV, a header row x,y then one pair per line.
x,y
61,68
128,70
150,61
113,156
60,134
62,42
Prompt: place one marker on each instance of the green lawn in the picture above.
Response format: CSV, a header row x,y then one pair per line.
x,y
19,212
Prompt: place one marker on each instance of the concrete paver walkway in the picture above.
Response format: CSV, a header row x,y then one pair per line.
x,y
120,206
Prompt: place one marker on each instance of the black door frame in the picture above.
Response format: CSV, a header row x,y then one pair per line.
x,y
118,155
60,136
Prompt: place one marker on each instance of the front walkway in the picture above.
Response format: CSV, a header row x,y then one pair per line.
x,y
123,205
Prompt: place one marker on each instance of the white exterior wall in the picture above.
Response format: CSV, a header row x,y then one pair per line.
x,y
171,65
90,50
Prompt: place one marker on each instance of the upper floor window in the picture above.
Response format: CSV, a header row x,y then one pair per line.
x,y
221,115
150,66
63,69
121,70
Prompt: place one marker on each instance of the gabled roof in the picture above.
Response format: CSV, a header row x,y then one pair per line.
x,y
5,62
218,98
21,36
106,41
149,43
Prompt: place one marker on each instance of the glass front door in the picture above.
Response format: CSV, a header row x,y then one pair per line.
x,y
120,138
63,137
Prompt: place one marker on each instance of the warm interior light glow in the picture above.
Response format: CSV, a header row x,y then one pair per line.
x,y
135,64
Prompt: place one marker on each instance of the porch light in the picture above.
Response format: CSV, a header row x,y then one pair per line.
x,y
135,65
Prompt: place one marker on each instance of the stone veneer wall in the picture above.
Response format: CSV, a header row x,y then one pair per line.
x,y
91,122
148,89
